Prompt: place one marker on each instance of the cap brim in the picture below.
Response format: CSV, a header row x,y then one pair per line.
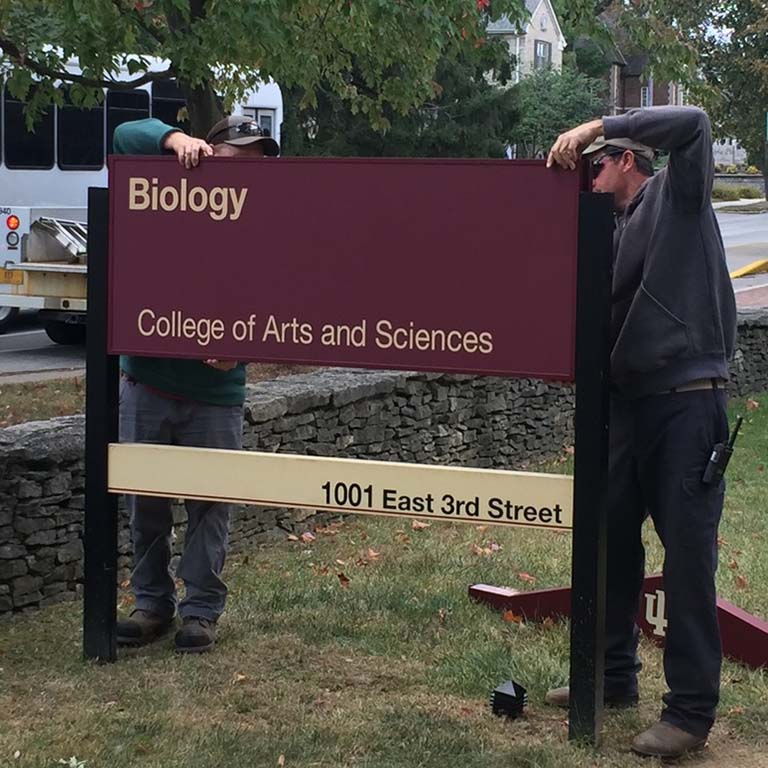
x,y
271,147
595,146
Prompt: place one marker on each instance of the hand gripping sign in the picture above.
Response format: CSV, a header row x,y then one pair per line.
x,y
483,267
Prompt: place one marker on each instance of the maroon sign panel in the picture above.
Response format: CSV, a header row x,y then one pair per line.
x,y
464,266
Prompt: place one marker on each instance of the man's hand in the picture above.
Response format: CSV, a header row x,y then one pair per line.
x,y
221,365
566,151
187,148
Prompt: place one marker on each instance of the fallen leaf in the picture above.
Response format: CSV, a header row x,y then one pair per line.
x,y
340,562
512,617
752,405
721,542
281,761
373,555
343,580
548,623
570,450
733,565
292,537
481,528
238,678
417,525
736,711
761,467
741,581
441,616
527,578
307,536
494,547
481,551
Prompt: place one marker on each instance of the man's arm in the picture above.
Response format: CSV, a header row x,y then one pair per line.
x,y
683,131
153,137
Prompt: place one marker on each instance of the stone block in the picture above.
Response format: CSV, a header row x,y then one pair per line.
x,y
11,569
11,551
26,584
70,552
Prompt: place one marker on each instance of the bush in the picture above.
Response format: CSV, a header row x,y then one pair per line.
x,y
749,192
752,169
724,192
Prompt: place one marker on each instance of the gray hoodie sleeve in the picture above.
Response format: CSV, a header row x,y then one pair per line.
x,y
683,131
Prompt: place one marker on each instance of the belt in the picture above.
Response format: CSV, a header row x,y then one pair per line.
x,y
696,385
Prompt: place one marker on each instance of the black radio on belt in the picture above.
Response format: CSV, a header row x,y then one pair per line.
x,y
721,455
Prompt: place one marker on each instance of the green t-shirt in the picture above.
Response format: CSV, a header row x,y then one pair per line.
x,y
191,379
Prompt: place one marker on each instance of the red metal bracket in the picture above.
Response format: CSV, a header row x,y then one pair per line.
x,y
745,637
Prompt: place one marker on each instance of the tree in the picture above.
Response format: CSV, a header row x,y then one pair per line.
x,y
471,114
718,49
374,56
551,102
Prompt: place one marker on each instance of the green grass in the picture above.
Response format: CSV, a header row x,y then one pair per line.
x,y
392,670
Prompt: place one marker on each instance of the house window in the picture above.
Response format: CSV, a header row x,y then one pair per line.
x,y
542,56
680,95
645,96
264,117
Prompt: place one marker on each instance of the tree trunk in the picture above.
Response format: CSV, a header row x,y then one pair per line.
x,y
204,108
203,104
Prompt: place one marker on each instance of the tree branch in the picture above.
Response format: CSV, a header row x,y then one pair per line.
x,y
151,31
20,58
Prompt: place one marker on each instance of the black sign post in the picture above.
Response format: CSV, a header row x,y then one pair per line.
x,y
588,561
101,429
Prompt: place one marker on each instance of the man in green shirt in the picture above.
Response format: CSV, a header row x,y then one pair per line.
x,y
189,403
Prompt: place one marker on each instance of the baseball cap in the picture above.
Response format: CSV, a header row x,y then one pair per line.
x,y
239,131
642,150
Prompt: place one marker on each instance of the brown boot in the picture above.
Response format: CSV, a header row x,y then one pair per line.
x,y
197,635
666,741
142,627
561,697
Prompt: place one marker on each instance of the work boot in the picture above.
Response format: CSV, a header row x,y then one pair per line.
x,y
197,635
666,741
142,627
560,697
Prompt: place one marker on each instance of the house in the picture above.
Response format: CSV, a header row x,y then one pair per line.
x,y
633,84
538,45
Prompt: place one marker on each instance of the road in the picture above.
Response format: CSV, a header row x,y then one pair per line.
x,y
26,350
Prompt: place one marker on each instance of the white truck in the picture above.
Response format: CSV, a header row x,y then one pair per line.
x,y
43,267
44,180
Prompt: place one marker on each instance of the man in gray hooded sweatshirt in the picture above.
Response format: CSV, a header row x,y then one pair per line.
x,y
673,328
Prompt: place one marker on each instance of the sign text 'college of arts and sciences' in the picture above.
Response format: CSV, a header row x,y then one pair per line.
x,y
407,264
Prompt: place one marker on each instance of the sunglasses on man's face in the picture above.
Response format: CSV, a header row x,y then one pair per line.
x,y
598,165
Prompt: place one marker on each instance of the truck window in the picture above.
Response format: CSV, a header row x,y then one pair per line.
x,y
167,101
80,136
123,106
25,149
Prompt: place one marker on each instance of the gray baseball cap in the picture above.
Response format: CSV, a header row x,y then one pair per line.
x,y
239,131
606,144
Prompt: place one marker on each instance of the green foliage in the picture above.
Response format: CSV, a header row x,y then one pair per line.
x,y
374,55
471,114
551,102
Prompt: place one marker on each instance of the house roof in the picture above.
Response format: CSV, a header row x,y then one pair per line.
x,y
503,26
636,64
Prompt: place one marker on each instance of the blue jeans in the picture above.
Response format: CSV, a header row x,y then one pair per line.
x,y
148,417
659,447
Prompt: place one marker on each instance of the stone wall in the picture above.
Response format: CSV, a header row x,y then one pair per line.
x,y
425,418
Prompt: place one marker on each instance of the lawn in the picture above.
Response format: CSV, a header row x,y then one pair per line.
x,y
359,648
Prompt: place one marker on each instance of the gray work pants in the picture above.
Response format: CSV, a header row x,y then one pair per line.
x,y
146,416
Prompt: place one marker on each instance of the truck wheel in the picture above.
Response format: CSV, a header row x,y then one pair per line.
x,y
7,316
65,333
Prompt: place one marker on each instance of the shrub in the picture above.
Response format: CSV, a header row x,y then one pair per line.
x,y
749,192
723,192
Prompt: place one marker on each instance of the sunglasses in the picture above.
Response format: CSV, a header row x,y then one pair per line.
x,y
239,131
597,165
